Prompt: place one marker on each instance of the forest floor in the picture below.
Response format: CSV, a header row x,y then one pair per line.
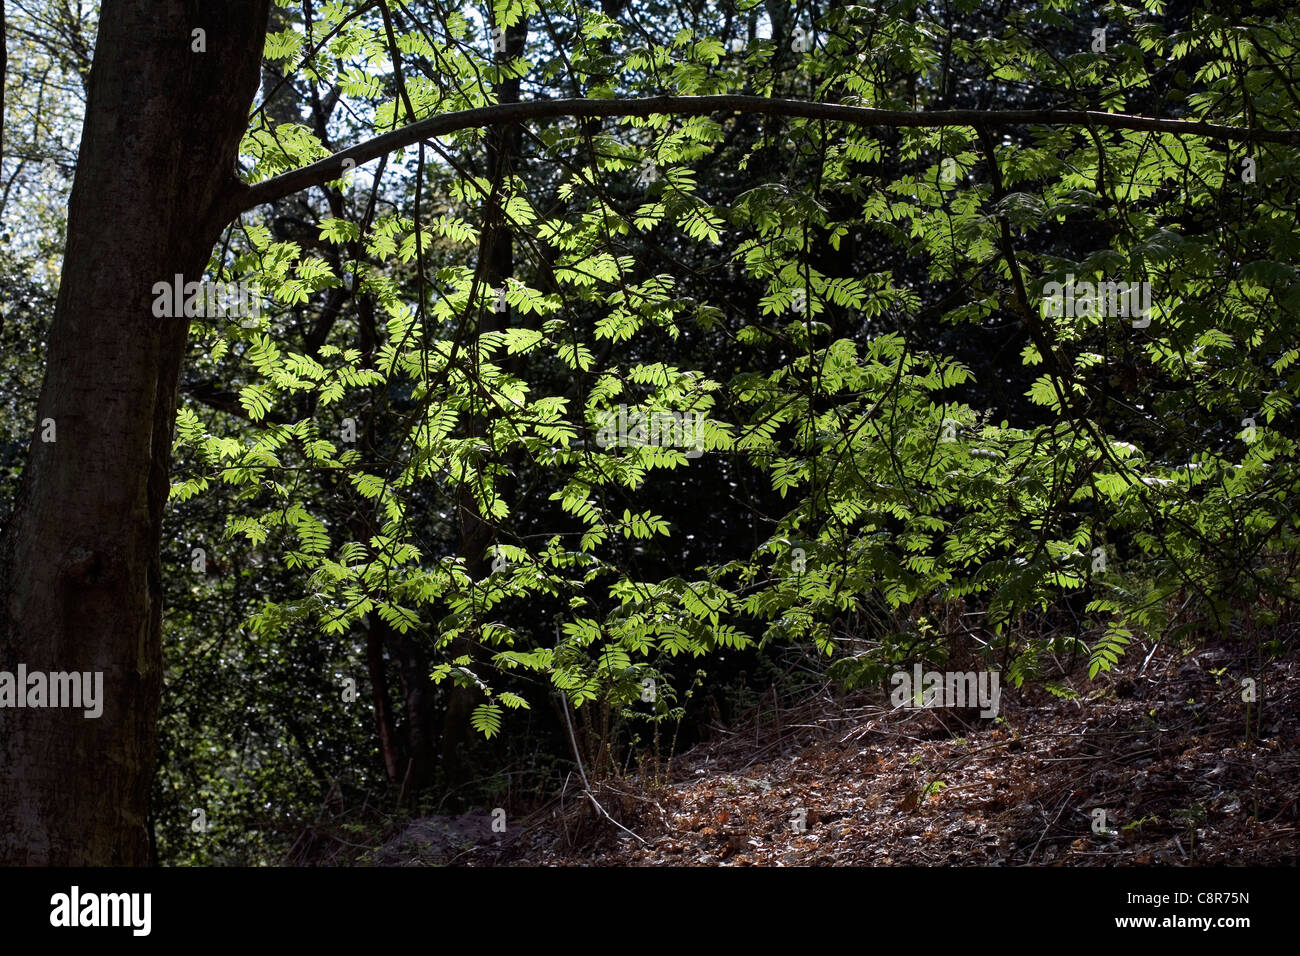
x,y
1162,745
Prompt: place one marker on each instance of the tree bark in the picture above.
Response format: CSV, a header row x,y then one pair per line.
x,y
79,567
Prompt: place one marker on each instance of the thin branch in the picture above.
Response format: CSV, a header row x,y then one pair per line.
x,y
586,785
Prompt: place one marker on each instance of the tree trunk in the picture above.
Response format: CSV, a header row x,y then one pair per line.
x,y
79,567
496,252
419,726
383,706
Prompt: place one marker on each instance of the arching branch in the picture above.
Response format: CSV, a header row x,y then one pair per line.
x,y
334,166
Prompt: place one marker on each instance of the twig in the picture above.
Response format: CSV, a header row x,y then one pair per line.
x,y
1049,826
586,786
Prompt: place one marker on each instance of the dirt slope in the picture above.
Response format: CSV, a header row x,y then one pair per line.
x,y
1162,747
